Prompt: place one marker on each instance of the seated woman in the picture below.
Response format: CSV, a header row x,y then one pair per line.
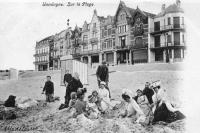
x,y
163,110
143,102
132,108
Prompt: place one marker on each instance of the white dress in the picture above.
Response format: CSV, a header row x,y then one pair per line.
x,y
133,109
105,103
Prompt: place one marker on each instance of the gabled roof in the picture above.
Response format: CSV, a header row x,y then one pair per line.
x,y
143,13
131,11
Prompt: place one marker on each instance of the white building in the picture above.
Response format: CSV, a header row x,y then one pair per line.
x,y
167,34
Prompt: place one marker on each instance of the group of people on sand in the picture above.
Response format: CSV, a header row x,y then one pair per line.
x,y
148,106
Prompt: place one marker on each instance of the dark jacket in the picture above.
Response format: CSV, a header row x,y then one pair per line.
x,y
74,84
48,87
67,78
149,93
102,73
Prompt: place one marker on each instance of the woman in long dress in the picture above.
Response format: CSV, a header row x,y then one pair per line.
x,y
132,108
163,109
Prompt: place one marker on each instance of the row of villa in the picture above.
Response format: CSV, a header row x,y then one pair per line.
x,y
130,36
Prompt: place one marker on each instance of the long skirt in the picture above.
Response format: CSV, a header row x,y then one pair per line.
x,y
163,114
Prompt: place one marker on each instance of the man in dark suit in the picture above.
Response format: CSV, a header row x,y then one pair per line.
x,y
102,74
48,89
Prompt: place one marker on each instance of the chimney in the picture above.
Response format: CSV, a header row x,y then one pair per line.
x,y
163,8
178,3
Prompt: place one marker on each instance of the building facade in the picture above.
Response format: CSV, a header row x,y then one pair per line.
x,y
168,34
130,36
108,41
42,54
85,43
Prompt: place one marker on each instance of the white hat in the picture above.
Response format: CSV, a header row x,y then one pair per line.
x,y
127,92
103,83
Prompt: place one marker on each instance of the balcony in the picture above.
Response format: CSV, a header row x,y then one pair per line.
x,y
40,54
121,47
107,48
76,51
41,62
169,45
84,42
94,40
166,28
56,57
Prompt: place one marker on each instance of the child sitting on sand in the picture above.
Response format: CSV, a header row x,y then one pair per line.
x,y
80,105
72,101
92,109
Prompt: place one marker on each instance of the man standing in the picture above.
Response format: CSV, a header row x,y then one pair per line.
x,y
67,79
48,89
102,74
148,92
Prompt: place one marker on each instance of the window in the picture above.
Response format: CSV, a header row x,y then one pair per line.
x,y
169,39
183,38
182,20
85,38
113,42
169,21
93,34
177,53
157,26
109,32
102,33
176,38
157,41
113,31
94,25
176,22
138,41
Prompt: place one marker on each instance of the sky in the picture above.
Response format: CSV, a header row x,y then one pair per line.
x,y
22,23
